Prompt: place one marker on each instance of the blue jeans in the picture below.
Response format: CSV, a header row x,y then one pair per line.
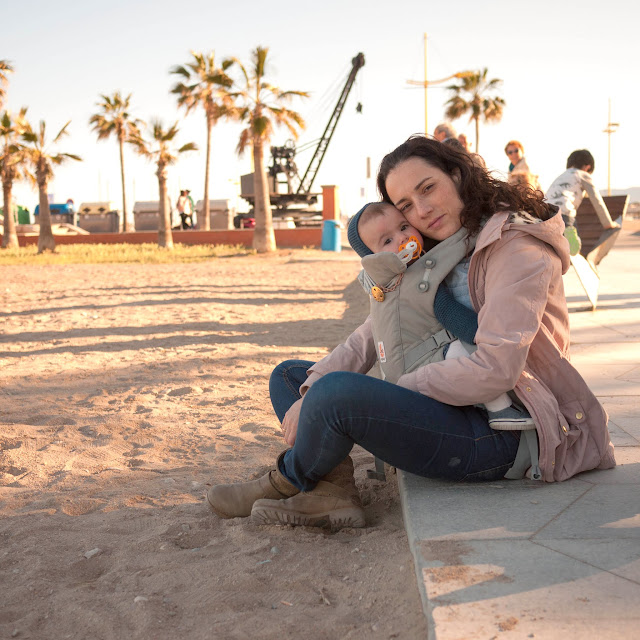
x,y
406,429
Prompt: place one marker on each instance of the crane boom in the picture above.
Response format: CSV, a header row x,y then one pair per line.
x,y
310,174
283,161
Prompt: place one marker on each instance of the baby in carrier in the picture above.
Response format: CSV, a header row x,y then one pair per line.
x,y
416,319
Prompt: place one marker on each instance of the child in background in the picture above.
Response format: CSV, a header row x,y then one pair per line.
x,y
567,192
380,228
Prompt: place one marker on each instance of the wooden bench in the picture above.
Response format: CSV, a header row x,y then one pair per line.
x,y
596,241
594,238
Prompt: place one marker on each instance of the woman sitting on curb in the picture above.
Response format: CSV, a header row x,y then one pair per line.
x,y
427,423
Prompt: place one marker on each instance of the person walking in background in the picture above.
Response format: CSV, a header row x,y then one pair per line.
x,y
180,206
567,192
184,209
72,210
519,172
444,131
194,215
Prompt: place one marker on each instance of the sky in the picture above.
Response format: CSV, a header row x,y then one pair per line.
x,y
561,64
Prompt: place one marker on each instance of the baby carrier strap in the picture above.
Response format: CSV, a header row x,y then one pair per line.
x,y
431,344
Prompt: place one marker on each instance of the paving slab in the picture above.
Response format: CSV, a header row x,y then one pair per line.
x,y
519,589
523,559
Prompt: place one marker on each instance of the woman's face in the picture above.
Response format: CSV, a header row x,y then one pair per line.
x,y
427,196
514,153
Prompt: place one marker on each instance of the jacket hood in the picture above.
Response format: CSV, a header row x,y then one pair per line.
x,y
550,231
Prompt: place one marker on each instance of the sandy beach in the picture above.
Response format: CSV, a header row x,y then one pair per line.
x,y
125,391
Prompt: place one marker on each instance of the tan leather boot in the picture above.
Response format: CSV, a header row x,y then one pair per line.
x,y
236,500
334,503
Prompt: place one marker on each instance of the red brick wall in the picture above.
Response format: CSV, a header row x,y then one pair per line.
x,y
292,238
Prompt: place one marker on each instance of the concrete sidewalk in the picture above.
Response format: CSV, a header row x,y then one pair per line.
x,y
523,559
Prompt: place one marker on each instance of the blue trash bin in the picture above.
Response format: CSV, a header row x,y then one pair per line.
x,y
331,236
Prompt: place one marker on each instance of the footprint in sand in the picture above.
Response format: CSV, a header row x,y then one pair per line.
x,y
234,400
254,427
81,507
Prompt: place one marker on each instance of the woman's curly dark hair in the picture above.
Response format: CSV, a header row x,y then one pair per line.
x,y
481,193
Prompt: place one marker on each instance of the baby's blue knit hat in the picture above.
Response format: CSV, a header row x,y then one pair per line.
x,y
354,237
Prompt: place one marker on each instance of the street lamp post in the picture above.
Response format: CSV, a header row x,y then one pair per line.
x,y
425,83
426,128
611,128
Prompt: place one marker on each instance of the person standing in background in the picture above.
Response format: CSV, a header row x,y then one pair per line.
x,y
194,215
444,131
462,138
74,213
184,209
519,172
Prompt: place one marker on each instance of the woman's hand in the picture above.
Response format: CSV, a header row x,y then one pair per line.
x,y
290,423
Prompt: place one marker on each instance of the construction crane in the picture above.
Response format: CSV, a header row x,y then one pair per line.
x,y
283,159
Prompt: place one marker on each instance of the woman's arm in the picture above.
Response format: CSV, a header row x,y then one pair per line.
x,y
454,316
519,271
357,353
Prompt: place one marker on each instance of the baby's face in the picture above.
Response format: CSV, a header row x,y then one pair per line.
x,y
388,231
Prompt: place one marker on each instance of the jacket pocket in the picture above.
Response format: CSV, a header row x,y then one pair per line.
x,y
577,450
573,419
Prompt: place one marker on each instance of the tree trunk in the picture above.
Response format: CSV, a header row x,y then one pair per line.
x,y
264,239
165,237
477,134
206,223
46,241
10,237
125,219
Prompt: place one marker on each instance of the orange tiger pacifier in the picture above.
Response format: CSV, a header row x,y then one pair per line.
x,y
409,250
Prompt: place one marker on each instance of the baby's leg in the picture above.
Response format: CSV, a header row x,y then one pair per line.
x,y
498,404
503,414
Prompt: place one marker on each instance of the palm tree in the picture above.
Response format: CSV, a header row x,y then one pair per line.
x,y
12,168
115,119
5,70
42,160
472,96
160,149
260,106
204,84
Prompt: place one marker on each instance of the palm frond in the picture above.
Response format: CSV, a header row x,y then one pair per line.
x,y
30,137
5,69
170,133
63,132
70,156
245,75
180,70
294,94
243,141
190,146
